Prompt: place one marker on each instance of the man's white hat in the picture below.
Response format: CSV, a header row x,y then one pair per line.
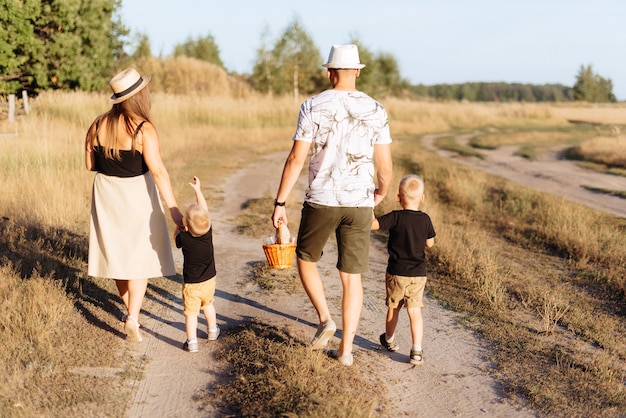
x,y
344,56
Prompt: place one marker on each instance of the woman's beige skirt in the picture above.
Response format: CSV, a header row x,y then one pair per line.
x,y
128,234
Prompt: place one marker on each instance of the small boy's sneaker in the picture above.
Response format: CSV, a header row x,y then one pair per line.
x,y
390,346
191,346
417,357
214,334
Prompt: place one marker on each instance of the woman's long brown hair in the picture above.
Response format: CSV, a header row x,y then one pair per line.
x,y
130,113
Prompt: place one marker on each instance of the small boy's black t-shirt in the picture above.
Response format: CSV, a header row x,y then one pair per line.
x,y
408,232
199,261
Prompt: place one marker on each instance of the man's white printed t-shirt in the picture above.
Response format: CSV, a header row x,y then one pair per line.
x,y
342,128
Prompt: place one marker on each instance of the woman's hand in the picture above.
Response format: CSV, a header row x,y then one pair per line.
x,y
177,216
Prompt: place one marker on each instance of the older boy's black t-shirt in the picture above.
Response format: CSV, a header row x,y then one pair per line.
x,y
408,232
199,261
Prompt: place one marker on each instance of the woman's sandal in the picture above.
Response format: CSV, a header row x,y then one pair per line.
x,y
125,317
132,330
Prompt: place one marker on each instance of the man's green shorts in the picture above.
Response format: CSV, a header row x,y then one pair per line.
x,y
351,227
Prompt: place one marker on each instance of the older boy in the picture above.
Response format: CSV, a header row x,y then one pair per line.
x,y
410,232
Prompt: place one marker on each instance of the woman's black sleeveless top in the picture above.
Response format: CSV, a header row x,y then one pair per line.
x,y
131,163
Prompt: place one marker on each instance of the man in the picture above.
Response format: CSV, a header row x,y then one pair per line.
x,y
348,133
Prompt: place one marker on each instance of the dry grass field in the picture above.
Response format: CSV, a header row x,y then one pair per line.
x,y
541,279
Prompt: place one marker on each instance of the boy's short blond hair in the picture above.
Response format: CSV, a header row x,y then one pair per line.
x,y
411,188
197,220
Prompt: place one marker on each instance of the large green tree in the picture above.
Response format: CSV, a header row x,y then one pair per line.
x,y
292,66
65,44
202,48
591,87
19,47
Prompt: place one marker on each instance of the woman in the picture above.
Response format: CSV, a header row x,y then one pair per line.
x,y
128,236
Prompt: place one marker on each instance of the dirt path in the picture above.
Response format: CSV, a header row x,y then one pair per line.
x,y
454,381
549,173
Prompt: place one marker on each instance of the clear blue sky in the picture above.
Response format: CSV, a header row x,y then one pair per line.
x,y
434,41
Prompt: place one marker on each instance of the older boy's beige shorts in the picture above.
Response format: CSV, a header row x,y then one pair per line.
x,y
351,226
198,296
403,288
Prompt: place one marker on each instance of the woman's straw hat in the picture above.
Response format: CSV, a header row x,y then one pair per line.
x,y
344,56
126,84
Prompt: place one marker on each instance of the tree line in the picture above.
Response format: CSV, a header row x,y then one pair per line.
x,y
77,44
589,87
496,92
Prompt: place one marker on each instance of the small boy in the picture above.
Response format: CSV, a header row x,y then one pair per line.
x,y
196,240
410,232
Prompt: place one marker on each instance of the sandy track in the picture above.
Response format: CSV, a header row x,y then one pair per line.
x,y
454,381
549,173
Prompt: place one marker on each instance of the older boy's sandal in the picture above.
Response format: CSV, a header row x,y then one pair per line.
x,y
417,357
390,346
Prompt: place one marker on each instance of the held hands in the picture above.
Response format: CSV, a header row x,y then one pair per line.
x,y
177,230
378,197
177,216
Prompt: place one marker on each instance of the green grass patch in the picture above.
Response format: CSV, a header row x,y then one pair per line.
x,y
618,193
449,143
528,152
601,168
544,136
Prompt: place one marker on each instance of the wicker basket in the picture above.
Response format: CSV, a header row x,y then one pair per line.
x,y
279,256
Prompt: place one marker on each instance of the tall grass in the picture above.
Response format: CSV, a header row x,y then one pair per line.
x,y
502,251
408,117
42,168
55,357
191,77
540,277
43,175
599,113
610,151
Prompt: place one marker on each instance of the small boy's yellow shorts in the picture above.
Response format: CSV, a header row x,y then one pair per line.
x,y
198,296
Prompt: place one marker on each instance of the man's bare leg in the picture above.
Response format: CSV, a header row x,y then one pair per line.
x,y
314,288
351,304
